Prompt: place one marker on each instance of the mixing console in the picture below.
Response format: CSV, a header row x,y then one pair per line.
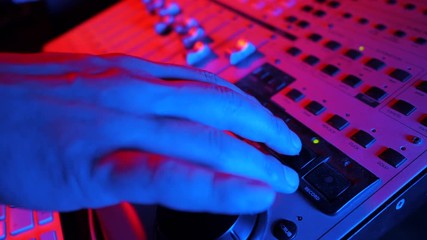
x,y
348,76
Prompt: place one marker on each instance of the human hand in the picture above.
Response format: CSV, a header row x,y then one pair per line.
x,y
81,131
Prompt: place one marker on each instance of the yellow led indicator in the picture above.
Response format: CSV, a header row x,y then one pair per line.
x,y
315,140
361,48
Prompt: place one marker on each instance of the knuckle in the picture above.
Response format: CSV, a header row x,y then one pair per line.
x,y
230,102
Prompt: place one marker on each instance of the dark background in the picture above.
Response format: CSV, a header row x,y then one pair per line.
x,y
26,27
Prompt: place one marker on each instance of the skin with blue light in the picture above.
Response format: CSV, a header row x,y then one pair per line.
x,y
84,131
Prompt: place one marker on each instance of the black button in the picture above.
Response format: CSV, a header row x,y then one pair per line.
x,y
363,21
284,229
291,19
352,81
399,33
333,45
400,75
380,27
410,6
315,37
403,107
422,86
295,95
353,54
331,70
300,161
391,2
258,72
334,4
424,121
294,51
347,15
367,100
420,41
319,13
320,1
328,181
311,60
375,64
392,157
266,77
315,108
303,24
338,122
376,93
363,138
277,83
307,8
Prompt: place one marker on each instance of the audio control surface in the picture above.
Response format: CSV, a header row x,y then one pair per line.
x,y
348,76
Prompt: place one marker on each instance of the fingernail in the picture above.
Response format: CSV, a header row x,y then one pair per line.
x,y
292,179
296,142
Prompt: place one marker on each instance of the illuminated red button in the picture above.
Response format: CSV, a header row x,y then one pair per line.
x,y
21,220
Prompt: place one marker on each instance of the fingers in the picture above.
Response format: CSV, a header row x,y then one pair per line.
x,y
143,178
225,109
172,71
200,144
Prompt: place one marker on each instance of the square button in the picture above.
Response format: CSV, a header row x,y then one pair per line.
x,y
376,93
420,41
392,157
333,45
319,13
307,8
352,81
328,181
399,33
315,37
363,138
380,27
295,95
315,108
353,54
424,121
338,122
403,107
303,24
294,51
375,64
311,60
291,19
331,70
422,86
400,75
334,4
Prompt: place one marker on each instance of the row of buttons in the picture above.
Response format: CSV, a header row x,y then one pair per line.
x,y
361,137
381,27
371,96
373,63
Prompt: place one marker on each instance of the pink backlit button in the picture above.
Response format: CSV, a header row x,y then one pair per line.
x,y
2,211
44,217
242,50
200,51
21,220
2,230
51,235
